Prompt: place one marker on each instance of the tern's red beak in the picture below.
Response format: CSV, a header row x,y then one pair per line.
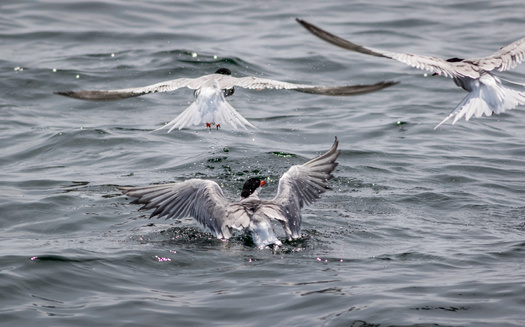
x,y
263,183
435,74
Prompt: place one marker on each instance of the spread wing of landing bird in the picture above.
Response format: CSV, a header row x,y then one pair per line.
x,y
210,107
205,202
486,94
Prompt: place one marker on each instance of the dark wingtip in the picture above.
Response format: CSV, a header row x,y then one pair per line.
x,y
304,23
335,145
333,149
300,21
64,93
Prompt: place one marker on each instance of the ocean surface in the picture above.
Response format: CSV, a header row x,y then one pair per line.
x,y
422,227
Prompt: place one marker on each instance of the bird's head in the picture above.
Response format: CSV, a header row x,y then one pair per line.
x,y
455,59
223,71
226,71
251,186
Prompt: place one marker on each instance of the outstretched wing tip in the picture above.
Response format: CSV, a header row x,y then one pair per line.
x,y
124,189
302,22
333,149
64,93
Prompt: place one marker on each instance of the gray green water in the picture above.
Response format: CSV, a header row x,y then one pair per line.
x,y
423,227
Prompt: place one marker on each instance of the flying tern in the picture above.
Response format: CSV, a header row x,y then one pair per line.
x,y
486,94
210,107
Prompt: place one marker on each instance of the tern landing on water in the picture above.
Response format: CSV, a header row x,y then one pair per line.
x,y
486,93
204,201
210,107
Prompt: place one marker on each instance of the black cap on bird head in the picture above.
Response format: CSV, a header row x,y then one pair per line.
x,y
250,186
226,71
455,59
223,71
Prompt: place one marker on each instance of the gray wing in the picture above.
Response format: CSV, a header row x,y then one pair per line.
x,y
223,82
433,64
168,86
505,58
303,184
201,199
264,83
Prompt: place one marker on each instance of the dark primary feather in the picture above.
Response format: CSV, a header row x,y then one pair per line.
x,y
336,40
346,90
99,95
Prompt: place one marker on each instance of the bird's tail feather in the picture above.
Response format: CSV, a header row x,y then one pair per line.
x,y
486,100
186,118
214,110
226,113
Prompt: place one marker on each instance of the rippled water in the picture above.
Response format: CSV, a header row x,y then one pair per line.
x,y
423,227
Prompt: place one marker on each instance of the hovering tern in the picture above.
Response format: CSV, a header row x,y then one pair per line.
x,y
205,202
486,93
210,107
